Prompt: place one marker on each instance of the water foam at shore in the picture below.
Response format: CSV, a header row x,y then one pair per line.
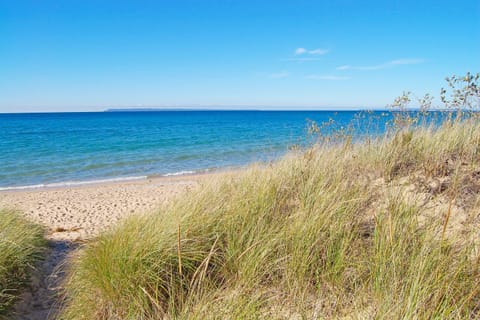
x,y
72,183
99,181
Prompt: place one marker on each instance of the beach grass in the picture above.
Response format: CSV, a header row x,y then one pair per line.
x,y
21,246
385,228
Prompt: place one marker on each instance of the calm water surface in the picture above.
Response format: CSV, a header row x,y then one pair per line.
x,y
67,148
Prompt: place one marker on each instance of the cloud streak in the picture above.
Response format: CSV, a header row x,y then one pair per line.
x,y
385,65
303,51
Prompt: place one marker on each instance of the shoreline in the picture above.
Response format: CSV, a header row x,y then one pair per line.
x,y
118,180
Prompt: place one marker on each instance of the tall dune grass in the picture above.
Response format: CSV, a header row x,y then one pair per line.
x,y
21,245
332,232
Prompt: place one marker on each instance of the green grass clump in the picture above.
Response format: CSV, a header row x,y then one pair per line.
x,y
21,245
415,275
327,233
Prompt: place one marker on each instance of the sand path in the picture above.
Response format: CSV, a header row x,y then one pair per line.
x,y
74,215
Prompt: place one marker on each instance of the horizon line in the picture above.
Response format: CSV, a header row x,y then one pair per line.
x,y
266,109
198,108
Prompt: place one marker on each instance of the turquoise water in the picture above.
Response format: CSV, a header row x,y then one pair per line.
x,y
55,149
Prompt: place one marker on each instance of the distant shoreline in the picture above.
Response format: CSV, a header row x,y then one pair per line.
x,y
235,110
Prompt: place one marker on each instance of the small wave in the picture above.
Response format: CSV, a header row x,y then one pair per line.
x,y
71,183
180,173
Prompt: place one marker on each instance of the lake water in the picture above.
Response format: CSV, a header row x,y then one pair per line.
x,y
56,149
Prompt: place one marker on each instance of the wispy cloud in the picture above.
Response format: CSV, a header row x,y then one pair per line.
x,y
385,65
345,67
319,51
300,51
303,51
327,77
279,75
406,61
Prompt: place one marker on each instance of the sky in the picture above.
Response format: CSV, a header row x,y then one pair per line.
x,y
84,55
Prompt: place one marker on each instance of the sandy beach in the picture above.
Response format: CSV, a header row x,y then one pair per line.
x,y
73,215
82,212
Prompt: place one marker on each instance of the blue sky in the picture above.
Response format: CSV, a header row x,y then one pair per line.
x,y
83,55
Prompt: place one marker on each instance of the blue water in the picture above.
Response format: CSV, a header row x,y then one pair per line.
x,y
66,148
